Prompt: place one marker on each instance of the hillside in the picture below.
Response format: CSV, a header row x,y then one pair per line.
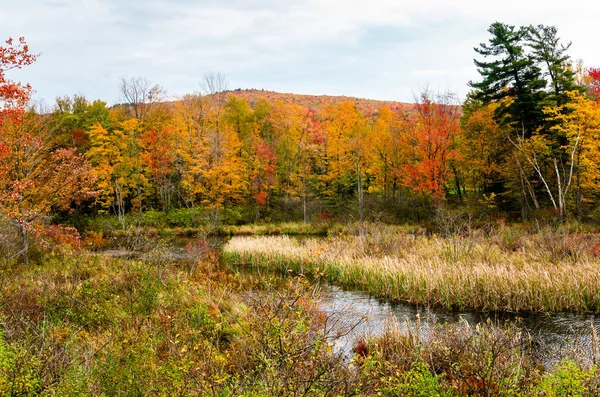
x,y
316,102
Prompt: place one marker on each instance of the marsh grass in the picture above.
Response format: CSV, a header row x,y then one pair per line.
x,y
287,228
86,324
506,270
487,359
97,239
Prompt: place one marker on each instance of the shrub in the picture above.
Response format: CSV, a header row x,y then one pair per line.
x,y
570,380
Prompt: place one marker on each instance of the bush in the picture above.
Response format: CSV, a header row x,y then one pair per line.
x,y
419,381
154,218
568,379
184,217
10,242
18,371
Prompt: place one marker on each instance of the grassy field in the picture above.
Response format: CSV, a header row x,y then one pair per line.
x,y
505,270
79,324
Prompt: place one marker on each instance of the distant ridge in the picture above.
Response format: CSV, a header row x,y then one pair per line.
x,y
367,107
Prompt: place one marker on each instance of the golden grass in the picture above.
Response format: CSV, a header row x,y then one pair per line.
x,y
479,273
289,228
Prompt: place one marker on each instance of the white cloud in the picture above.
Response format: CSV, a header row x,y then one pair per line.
x,y
432,72
328,45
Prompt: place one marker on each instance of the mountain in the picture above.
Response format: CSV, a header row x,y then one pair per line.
x,y
368,107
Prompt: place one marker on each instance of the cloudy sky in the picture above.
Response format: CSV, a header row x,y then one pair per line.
x,y
381,49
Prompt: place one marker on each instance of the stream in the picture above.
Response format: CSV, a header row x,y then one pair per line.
x,y
552,334
363,315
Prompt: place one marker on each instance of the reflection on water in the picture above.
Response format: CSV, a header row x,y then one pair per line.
x,y
363,315
550,333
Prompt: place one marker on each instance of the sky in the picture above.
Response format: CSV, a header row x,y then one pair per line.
x,y
378,49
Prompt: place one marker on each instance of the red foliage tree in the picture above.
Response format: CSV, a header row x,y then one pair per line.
x,y
434,129
594,84
35,178
264,178
13,95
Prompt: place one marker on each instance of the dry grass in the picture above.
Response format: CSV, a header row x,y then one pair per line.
x,y
289,228
504,271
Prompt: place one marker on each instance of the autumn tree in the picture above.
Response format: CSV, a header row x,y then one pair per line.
x,y
558,170
73,117
115,155
14,96
240,116
391,151
209,151
190,150
158,157
35,178
593,82
483,148
259,152
434,128
526,71
297,133
221,172
345,151
140,95
263,177
579,121
303,178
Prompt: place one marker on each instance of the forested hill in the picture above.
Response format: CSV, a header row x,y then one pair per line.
x,y
367,107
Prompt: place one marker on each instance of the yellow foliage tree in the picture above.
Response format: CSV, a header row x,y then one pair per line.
x,y
579,122
209,155
115,155
346,153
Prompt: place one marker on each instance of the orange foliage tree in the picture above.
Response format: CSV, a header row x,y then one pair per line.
x,y
390,151
208,154
157,156
434,129
482,148
345,151
34,178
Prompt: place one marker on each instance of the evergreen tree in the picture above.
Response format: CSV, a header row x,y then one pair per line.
x,y
510,74
547,51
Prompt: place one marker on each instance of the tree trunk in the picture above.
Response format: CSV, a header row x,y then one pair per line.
x,y
304,214
25,243
579,197
457,184
120,207
523,192
215,219
361,203
526,184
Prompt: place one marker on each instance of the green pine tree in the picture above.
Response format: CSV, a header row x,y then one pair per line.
x,y
547,51
510,73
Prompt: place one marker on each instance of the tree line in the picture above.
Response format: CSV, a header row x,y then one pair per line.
x,y
524,143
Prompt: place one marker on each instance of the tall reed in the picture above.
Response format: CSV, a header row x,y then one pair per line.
x,y
481,273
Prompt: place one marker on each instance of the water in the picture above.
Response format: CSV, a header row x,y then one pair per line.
x,y
364,315
552,334
356,314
